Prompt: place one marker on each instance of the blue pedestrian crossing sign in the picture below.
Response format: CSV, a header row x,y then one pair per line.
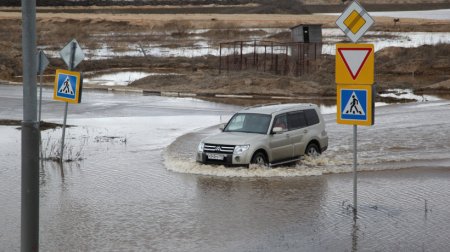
x,y
67,86
355,104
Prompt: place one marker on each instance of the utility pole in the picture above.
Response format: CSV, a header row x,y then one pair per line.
x,y
30,133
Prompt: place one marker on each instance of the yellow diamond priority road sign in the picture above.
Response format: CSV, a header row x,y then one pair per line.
x,y
355,21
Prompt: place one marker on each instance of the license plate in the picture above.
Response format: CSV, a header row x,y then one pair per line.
x,y
215,156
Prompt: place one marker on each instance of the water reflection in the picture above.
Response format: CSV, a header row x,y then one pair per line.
x,y
355,231
262,210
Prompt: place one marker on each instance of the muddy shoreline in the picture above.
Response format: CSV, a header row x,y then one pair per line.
x,y
43,125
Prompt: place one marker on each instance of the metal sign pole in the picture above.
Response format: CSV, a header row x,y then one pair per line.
x,y
40,67
64,130
30,133
41,71
72,57
42,63
355,165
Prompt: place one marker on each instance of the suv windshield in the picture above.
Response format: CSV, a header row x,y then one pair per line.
x,y
249,123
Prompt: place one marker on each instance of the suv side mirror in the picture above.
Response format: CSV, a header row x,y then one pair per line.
x,y
221,126
277,130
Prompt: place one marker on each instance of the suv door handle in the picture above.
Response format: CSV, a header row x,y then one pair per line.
x,y
305,131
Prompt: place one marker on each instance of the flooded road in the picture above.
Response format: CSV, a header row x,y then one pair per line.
x,y
137,187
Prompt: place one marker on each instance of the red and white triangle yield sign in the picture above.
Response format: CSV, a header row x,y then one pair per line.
x,y
354,59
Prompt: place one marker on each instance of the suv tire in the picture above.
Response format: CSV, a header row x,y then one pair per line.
x,y
312,150
259,159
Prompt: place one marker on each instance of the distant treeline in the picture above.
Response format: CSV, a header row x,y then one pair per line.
x,y
123,2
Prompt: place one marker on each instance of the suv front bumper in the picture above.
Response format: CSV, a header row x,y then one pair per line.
x,y
228,159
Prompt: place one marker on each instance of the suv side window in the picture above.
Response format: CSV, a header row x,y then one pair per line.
x,y
311,116
296,120
280,121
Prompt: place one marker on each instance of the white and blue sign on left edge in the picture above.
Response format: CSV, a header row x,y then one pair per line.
x,y
354,104
67,86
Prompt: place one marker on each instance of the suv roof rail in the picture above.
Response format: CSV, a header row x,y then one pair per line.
x,y
262,105
278,103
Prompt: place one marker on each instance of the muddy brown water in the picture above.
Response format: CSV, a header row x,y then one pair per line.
x,y
137,187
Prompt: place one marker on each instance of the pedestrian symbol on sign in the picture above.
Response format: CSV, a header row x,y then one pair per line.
x,y
353,106
66,88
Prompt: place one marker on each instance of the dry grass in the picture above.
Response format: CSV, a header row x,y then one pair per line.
x,y
177,28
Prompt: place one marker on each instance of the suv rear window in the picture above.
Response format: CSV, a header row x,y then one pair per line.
x,y
311,116
296,120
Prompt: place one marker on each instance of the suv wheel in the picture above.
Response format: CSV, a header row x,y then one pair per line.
x,y
259,159
312,150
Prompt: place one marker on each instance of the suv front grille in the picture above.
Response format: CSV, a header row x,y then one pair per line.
x,y
215,148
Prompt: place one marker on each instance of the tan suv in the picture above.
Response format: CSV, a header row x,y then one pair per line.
x,y
267,135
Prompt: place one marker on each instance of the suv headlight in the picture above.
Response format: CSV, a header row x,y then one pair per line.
x,y
239,149
200,147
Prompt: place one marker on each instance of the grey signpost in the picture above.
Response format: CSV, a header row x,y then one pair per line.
x,y
72,54
29,237
42,63
355,168
354,22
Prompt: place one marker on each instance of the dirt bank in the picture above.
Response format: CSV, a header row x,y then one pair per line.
x,y
43,125
413,68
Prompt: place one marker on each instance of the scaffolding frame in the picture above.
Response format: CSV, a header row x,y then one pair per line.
x,y
287,58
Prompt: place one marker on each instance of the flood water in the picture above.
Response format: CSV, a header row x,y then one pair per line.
x,y
202,46
443,14
119,78
137,187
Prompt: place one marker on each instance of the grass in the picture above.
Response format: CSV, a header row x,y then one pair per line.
x,y
51,149
75,145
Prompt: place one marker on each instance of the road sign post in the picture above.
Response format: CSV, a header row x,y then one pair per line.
x,y
29,231
355,168
355,78
42,63
72,54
